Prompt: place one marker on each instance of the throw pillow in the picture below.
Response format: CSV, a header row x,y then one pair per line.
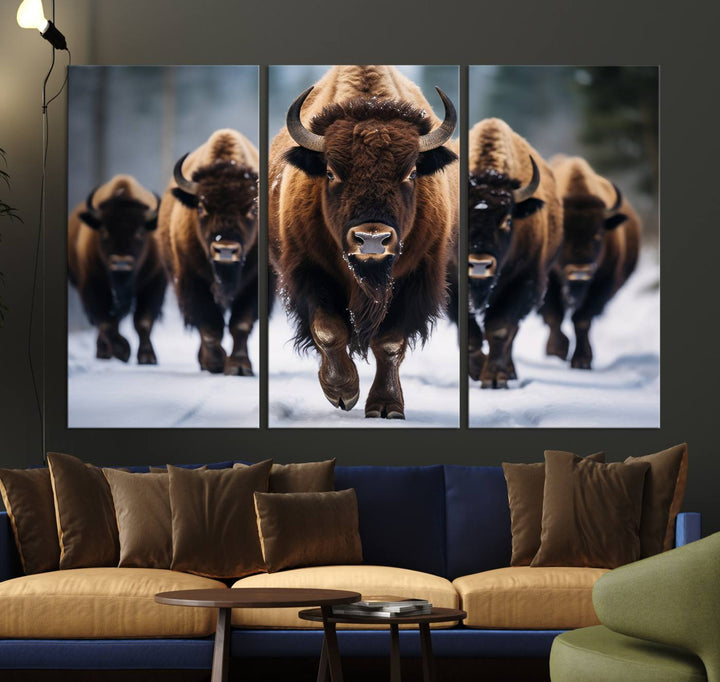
x,y
214,532
662,499
591,512
28,498
84,511
525,484
308,529
144,519
300,477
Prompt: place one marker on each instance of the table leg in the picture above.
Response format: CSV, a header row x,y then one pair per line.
x,y
323,668
427,654
331,642
221,652
395,668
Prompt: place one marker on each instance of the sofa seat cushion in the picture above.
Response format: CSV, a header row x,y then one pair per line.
x,y
597,654
370,581
99,603
529,598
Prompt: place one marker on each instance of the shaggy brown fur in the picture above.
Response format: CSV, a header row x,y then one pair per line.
x,y
608,247
223,212
524,240
371,118
117,224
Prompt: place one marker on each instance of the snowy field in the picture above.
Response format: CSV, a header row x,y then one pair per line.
x,y
429,379
173,393
621,391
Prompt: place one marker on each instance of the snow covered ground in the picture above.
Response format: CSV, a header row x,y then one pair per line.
x,y
173,393
623,388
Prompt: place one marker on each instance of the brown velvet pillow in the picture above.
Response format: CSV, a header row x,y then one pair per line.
x,y
84,512
591,512
214,532
308,529
525,484
301,477
663,498
144,519
28,498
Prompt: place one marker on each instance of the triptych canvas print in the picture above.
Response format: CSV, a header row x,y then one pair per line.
x,y
380,222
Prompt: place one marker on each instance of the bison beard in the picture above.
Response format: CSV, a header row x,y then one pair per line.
x,y
226,281
122,288
369,301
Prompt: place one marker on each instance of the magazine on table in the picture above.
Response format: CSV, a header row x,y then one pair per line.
x,y
383,607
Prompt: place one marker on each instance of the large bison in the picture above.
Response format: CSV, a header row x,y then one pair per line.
x,y
599,252
113,261
361,220
208,229
514,233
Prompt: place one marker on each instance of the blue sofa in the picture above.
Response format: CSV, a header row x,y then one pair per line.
x,y
448,521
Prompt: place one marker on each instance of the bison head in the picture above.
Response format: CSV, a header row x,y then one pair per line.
x,y
495,202
224,195
370,156
587,220
123,225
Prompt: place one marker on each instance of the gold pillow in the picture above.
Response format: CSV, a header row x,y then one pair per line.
x,y
300,477
308,529
214,532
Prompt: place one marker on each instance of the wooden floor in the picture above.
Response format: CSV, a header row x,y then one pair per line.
x,y
305,670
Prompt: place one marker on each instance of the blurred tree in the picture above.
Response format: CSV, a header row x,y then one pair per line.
x,y
619,107
9,212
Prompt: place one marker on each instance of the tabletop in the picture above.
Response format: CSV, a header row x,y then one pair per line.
x,y
257,597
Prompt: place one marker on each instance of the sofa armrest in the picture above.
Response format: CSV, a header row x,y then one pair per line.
x,y
672,598
688,528
10,566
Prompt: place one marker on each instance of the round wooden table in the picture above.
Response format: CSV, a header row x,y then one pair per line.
x,y
254,598
330,650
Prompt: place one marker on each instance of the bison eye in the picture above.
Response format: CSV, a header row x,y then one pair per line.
x,y
412,175
507,225
330,175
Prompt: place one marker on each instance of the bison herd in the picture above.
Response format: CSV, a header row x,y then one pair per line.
x,y
363,240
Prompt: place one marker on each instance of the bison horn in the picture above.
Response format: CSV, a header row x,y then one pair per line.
x,y
618,202
182,182
526,192
441,135
298,132
89,202
152,213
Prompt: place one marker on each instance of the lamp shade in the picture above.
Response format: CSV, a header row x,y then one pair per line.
x,y
30,14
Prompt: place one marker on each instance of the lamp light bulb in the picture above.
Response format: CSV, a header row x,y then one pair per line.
x,y
30,14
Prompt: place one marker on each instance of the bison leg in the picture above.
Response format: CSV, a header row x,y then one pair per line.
x,y
553,313
238,363
110,343
499,367
476,359
211,355
582,357
338,375
386,397
600,292
149,303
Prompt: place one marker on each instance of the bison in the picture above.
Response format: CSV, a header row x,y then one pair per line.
x,y
361,220
599,252
208,232
114,262
514,234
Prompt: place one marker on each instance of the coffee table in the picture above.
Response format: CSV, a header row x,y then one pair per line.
x,y
330,651
253,598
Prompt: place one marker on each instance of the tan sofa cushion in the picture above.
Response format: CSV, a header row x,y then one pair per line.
x,y
529,598
368,580
98,603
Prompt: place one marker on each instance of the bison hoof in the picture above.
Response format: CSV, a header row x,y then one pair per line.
x,y
104,352
212,358
238,367
475,365
121,348
558,346
581,362
384,411
147,357
344,403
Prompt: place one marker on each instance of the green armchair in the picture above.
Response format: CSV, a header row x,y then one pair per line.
x,y
661,622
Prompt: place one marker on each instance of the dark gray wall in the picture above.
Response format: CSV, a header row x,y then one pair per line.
x,y
682,41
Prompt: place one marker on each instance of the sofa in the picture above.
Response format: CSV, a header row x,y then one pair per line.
x,y
437,532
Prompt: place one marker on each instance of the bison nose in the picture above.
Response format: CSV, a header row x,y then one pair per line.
x,y
372,241
579,273
482,266
121,263
226,251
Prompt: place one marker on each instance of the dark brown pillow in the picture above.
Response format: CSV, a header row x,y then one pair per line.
x,y
28,498
301,477
85,514
525,484
144,519
663,498
308,529
214,532
591,512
